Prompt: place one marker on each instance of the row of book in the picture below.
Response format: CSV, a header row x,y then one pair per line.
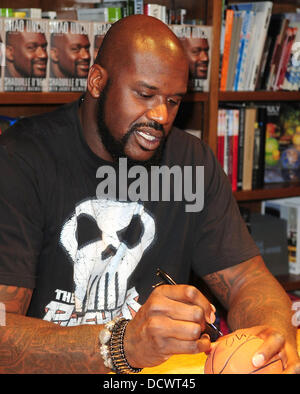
x,y
259,144
55,55
259,50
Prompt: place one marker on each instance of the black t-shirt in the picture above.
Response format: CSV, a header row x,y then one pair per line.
x,y
88,258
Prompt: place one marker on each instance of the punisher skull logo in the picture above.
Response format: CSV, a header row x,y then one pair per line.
x,y
102,265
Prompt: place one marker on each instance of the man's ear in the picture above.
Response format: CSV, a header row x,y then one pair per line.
x,y
54,55
97,80
9,53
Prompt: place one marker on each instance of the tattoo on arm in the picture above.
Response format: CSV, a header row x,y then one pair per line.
x,y
16,299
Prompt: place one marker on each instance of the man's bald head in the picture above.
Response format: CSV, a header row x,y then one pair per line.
x,y
137,34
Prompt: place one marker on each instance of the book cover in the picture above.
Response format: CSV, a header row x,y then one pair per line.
x,y
285,56
276,23
198,50
262,10
282,149
99,29
70,55
227,45
26,55
274,64
292,76
250,119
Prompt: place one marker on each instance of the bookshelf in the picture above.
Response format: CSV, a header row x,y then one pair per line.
x,y
202,107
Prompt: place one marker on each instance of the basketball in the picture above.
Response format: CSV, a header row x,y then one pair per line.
x,y
233,354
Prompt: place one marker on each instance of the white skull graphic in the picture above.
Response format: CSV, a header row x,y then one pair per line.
x,y
103,265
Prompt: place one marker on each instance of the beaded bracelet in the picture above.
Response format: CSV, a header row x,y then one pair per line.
x,y
112,350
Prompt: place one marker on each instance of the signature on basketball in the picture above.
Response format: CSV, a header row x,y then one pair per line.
x,y
238,337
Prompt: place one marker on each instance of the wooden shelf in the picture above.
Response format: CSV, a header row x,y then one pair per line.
x,y
34,98
275,190
259,96
196,97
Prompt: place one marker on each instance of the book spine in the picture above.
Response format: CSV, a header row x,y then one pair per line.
x,y
227,44
261,36
241,48
250,118
138,6
235,147
241,147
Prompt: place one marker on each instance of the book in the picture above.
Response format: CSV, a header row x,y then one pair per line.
x,y
157,11
221,135
234,48
259,148
289,210
285,56
26,55
138,6
243,43
226,50
70,55
197,44
275,25
282,148
262,13
250,119
102,13
99,29
235,148
274,63
292,76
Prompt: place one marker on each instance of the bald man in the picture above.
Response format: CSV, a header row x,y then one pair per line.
x,y
69,55
78,269
26,55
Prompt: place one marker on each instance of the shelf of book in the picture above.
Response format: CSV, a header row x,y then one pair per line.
x,y
259,96
274,190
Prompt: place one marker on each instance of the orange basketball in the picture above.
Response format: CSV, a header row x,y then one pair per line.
x,y
233,354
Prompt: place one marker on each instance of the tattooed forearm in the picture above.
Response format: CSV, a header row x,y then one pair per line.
x,y
29,345
252,297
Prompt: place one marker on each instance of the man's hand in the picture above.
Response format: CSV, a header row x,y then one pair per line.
x,y
170,322
274,344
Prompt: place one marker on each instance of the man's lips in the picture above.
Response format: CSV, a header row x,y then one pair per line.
x,y
148,138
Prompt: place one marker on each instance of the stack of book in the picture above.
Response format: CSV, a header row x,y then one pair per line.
x,y
259,50
259,144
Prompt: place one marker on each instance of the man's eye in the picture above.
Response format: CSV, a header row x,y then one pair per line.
x,y
173,101
145,95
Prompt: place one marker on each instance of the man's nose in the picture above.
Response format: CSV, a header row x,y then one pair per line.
x,y
158,114
41,52
84,53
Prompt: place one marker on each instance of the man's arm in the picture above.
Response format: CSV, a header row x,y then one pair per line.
x,y
253,297
29,345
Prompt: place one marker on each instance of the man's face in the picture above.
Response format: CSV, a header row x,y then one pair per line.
x,y
139,105
197,51
30,54
74,55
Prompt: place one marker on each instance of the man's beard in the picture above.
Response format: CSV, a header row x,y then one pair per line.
x,y
117,148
